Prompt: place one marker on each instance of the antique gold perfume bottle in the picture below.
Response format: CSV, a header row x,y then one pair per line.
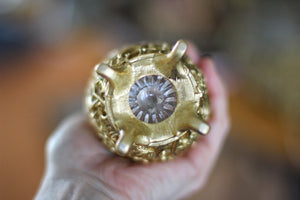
x,y
148,101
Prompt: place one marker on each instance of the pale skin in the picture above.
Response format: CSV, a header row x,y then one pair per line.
x,y
80,167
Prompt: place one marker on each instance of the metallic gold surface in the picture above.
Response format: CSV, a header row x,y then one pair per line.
x,y
173,126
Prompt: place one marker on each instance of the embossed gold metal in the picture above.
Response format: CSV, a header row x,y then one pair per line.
x,y
162,126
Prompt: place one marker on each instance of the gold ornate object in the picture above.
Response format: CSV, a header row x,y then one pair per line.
x,y
148,101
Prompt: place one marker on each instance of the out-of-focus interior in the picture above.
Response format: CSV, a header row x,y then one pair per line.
x,y
48,49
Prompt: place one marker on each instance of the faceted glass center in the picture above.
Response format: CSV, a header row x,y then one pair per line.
x,y
147,99
152,99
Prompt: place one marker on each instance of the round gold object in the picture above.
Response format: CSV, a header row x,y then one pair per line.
x,y
148,101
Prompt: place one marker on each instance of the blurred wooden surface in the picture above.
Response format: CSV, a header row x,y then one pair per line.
x,y
45,80
31,93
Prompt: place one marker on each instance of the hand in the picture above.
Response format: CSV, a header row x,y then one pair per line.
x,y
80,167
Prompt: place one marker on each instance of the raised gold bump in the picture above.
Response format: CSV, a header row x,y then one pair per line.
x,y
124,143
177,52
198,125
107,72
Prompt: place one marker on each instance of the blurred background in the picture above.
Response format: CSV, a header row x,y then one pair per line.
x,y
48,49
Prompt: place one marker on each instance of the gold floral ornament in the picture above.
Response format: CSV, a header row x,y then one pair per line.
x,y
148,101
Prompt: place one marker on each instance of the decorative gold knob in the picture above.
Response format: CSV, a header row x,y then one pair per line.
x,y
148,101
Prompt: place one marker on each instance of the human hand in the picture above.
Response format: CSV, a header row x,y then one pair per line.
x,y
79,166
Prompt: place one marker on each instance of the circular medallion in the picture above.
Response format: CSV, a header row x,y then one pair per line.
x,y
152,99
148,101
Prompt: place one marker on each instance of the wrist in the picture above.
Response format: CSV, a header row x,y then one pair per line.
x,y
74,188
